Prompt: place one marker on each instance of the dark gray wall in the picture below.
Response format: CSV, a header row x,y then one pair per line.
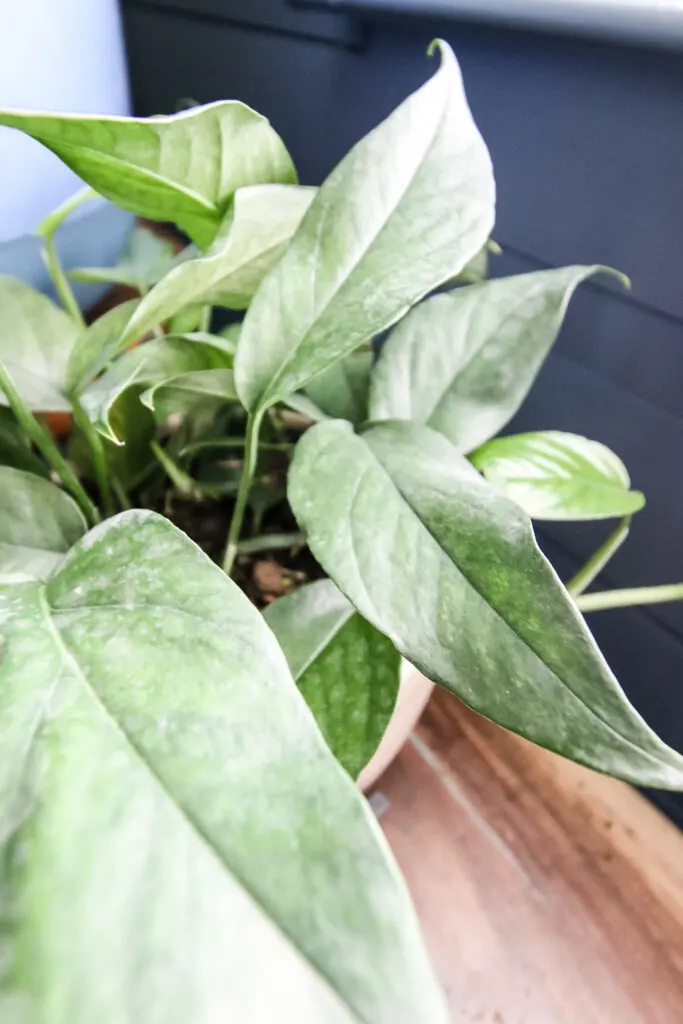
x,y
588,149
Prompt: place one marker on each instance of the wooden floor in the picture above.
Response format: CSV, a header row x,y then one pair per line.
x,y
548,894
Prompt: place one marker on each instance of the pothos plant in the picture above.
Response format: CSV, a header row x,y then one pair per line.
x,y
181,838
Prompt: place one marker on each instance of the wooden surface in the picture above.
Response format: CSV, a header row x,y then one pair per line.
x,y
548,894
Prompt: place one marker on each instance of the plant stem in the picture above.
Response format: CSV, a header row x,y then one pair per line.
x,y
46,229
232,442
44,442
270,542
61,282
120,493
205,320
248,470
627,598
184,484
98,457
597,562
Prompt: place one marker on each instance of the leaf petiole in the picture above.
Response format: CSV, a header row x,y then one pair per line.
x,y
628,598
99,458
248,470
45,444
271,542
46,229
597,562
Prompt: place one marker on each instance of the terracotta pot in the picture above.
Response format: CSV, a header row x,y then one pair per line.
x,y
414,692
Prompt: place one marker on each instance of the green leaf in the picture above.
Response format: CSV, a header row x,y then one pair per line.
x,y
257,228
183,393
36,338
341,391
170,818
181,168
156,360
97,346
301,403
554,475
15,449
464,362
347,671
408,207
38,524
144,261
449,569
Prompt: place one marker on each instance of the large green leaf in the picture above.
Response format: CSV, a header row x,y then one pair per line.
x,y
347,671
341,391
554,475
36,339
144,261
257,228
449,569
15,449
38,524
156,360
97,345
464,362
408,207
176,842
188,390
181,168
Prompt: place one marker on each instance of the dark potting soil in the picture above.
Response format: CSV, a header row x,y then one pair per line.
x,y
263,576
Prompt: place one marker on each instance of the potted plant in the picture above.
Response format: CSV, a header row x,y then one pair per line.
x,y
182,838
67,56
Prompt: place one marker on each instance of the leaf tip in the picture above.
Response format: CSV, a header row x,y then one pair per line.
x,y
440,45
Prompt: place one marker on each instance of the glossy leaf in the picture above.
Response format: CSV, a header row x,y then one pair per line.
x,y
183,393
98,345
182,168
170,818
449,569
38,524
408,207
347,671
464,362
15,449
156,360
36,339
554,475
257,228
144,261
341,391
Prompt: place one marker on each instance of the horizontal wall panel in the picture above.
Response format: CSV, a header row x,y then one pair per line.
x,y
276,15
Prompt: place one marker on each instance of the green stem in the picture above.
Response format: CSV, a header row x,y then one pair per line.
x,y
44,442
46,229
597,562
61,282
205,320
628,598
232,442
98,457
248,470
184,484
271,542
120,492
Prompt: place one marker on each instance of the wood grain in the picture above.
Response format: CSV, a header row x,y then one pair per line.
x,y
548,894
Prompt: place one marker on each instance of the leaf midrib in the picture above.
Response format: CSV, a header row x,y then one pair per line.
x,y
69,657
207,205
